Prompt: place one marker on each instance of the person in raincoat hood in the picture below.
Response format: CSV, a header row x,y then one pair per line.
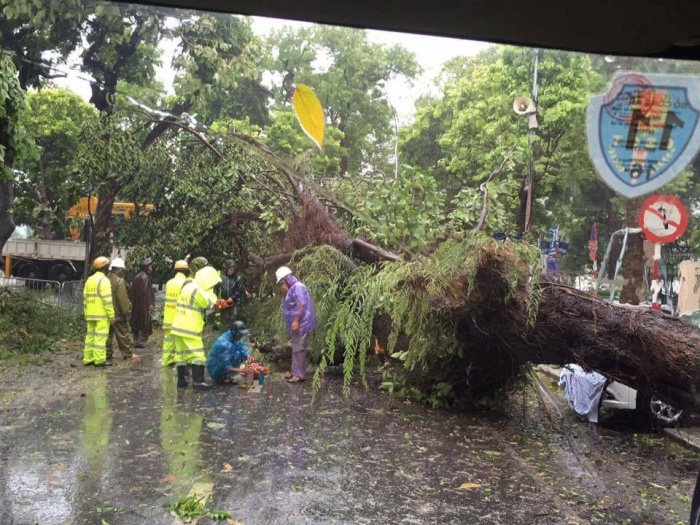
x,y
233,290
228,353
299,318
197,296
143,302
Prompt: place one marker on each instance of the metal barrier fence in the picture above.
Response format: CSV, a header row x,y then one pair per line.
x,y
67,294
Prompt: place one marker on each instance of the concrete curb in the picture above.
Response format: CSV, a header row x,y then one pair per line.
x,y
690,436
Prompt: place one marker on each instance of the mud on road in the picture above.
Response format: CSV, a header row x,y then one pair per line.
x,y
89,446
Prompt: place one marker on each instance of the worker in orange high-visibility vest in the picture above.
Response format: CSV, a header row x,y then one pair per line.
x,y
172,293
99,314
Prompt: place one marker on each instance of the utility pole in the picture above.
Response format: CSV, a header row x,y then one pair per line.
x,y
532,133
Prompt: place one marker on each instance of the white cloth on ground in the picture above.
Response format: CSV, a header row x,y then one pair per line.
x,y
582,390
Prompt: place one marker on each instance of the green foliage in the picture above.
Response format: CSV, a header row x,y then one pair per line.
x,y
110,161
12,104
115,41
205,204
694,241
28,326
324,270
465,208
284,136
463,135
45,189
191,508
33,30
404,212
406,307
348,73
218,64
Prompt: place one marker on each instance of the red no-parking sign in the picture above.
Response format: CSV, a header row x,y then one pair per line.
x,y
663,218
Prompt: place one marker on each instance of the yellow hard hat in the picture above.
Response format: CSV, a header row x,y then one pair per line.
x,y
182,265
207,278
100,262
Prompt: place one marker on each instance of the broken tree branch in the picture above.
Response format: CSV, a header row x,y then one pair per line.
x,y
484,189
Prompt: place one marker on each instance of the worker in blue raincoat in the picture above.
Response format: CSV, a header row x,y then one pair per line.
x,y
228,353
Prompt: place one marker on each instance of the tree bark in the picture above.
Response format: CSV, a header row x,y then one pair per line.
x,y
634,290
103,221
649,351
7,224
640,348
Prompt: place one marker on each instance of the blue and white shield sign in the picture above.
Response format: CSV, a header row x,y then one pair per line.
x,y
644,131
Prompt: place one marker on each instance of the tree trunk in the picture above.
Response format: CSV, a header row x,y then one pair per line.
x,y
640,348
646,350
103,221
7,225
521,216
499,335
634,290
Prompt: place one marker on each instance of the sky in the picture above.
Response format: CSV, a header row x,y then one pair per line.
x,y
431,52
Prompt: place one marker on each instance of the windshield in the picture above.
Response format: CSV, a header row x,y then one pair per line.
x,y
427,217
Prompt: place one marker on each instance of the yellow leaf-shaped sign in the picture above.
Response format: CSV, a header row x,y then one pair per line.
x,y
309,112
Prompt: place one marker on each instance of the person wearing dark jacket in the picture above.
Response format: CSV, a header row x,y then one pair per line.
x,y
143,302
231,289
119,331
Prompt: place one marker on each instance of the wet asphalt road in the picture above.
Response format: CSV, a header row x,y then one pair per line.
x,y
87,446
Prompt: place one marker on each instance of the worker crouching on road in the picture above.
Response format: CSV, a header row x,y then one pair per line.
x,y
299,318
122,310
172,293
195,299
227,354
99,314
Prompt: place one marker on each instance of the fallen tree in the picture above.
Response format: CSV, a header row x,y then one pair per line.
x,y
465,322
464,319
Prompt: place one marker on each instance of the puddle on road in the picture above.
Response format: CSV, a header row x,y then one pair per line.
x,y
133,442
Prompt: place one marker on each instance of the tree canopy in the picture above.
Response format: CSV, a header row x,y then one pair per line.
x,y
46,188
465,158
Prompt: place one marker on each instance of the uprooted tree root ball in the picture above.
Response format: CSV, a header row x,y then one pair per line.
x,y
462,323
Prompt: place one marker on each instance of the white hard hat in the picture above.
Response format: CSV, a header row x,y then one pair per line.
x,y
118,263
281,273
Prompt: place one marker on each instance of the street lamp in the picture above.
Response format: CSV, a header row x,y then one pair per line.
x,y
528,107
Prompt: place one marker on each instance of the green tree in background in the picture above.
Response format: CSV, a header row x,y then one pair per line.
x,y
45,187
12,104
348,73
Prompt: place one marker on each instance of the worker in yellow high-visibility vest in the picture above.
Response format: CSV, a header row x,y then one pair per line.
x,y
172,293
99,314
195,299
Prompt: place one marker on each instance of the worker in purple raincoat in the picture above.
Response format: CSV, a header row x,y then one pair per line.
x,y
300,319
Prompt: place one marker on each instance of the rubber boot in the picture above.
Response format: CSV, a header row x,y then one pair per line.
x,y
198,377
182,376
